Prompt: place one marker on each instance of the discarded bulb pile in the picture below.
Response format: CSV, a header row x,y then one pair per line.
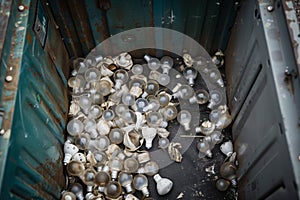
x,y
119,107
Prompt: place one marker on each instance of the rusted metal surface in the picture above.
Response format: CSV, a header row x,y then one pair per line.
x,y
4,15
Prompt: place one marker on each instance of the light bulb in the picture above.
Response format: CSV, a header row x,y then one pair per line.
x,y
228,171
151,168
100,158
148,134
115,166
79,157
163,99
190,74
72,83
154,119
124,60
163,143
79,66
78,84
101,180
128,99
136,86
108,115
88,178
85,103
206,128
104,87
204,149
164,79
184,92
116,136
201,97
92,74
129,117
113,190
218,58
169,112
120,77
222,184
214,116
125,180
151,87
75,127
77,189
227,148
153,63
140,104
68,196
140,182
131,165
119,122
184,118
137,69
215,77
215,99
97,98
163,185
215,137
120,109
153,105
75,168
69,150
90,127
95,112
221,117
102,143
82,141
166,64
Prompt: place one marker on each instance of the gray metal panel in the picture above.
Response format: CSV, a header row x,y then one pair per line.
x,y
264,102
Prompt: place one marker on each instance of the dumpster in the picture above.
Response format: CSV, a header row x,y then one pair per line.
x,y
39,40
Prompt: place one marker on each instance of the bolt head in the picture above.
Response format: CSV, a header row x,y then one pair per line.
x,y
9,78
21,8
270,8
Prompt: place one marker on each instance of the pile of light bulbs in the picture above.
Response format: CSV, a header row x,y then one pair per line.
x,y
117,107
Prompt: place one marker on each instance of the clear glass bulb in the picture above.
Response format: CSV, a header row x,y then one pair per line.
x,y
68,196
169,112
88,178
126,179
129,117
100,158
92,74
140,182
102,143
204,149
151,168
124,60
166,64
79,157
151,88
120,109
79,66
164,79
148,134
75,127
85,103
137,69
95,112
128,99
163,143
75,168
184,118
113,190
77,189
154,119
120,77
104,87
201,97
82,141
131,165
185,92
163,185
153,63
215,77
78,84
141,103
108,115
228,171
115,166
206,128
119,122
190,74
116,135
90,127
97,98
163,99
215,99
222,184
69,150
216,137
72,83
101,180
153,105
136,86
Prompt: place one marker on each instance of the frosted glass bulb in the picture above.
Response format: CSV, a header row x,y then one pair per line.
x,y
215,99
82,141
222,184
69,151
120,109
129,117
164,79
215,77
108,115
204,149
163,99
90,127
128,99
131,165
166,64
77,189
184,118
137,69
154,119
126,179
163,143
148,134
169,112
201,97
228,171
151,87
113,190
79,157
104,87
153,105
75,168
101,180
141,103
95,112
153,63
115,166
68,196
88,178
163,185
184,92
151,168
190,74
85,103
75,127
120,77
97,98
116,135
102,143
227,148
92,74
140,182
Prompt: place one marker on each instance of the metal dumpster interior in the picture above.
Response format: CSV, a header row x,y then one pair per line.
x,y
260,40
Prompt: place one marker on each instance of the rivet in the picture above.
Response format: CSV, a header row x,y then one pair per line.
x,y
21,8
2,131
270,8
8,78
